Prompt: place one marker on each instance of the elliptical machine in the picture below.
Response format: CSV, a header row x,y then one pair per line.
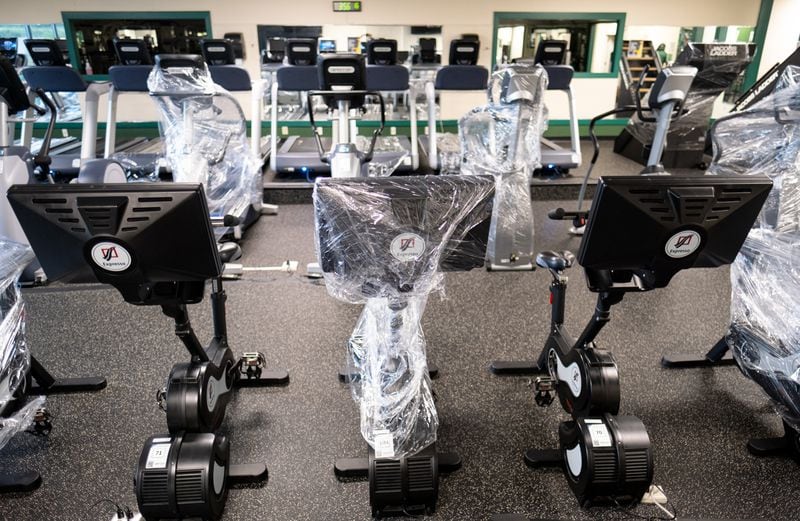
x,y
135,238
342,80
502,138
664,104
672,223
17,164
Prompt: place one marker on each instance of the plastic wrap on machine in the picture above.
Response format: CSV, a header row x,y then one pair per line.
x,y
765,278
373,254
502,139
15,359
713,78
205,134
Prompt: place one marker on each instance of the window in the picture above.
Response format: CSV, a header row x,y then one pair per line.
x,y
590,42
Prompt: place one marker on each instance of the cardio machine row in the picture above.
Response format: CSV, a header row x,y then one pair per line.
x,y
418,237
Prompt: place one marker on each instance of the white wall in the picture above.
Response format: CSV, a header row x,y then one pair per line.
x,y
467,16
782,33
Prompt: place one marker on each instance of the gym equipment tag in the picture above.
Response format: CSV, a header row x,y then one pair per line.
x,y
384,444
157,456
600,435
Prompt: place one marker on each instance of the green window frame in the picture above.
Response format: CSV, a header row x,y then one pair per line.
x,y
69,16
619,18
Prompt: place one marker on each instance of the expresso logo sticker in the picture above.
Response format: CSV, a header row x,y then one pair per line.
x,y
111,256
682,244
407,247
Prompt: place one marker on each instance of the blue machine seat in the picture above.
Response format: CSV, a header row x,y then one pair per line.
x,y
54,78
461,77
297,78
387,77
231,77
130,78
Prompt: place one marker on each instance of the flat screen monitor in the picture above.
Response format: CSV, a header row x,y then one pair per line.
x,y
132,236
656,226
8,48
327,46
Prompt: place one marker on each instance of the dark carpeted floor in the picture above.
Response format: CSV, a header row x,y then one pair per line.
x,y
698,420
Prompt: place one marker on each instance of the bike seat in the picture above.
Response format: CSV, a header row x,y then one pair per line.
x,y
229,251
555,260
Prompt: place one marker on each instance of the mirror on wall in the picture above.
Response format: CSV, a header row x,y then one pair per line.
x,y
91,36
350,38
590,41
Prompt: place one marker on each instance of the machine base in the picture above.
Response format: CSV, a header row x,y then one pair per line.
x,y
20,482
786,446
359,467
718,355
347,376
69,385
268,377
544,458
247,474
518,367
45,383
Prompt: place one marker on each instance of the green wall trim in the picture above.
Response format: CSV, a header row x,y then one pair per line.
x,y
764,13
618,17
69,16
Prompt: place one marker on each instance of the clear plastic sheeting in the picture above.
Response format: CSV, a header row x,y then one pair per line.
x,y
140,167
449,149
502,139
15,359
205,134
20,421
381,243
688,133
765,331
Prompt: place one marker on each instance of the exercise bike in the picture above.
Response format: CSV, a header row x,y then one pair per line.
x,y
664,105
672,224
135,238
391,264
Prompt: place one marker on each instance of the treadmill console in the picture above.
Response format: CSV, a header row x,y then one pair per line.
x,y
218,52
464,52
132,52
551,52
382,52
301,52
45,52
342,73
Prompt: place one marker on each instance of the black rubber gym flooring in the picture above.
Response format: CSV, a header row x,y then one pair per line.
x,y
698,420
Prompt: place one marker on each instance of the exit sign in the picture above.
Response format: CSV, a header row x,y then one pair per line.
x,y
346,7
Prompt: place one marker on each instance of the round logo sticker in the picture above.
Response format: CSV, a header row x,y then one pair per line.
x,y
407,247
682,244
111,256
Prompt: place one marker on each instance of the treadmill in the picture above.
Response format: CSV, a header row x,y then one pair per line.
x,y
551,54
147,156
220,55
298,74
462,74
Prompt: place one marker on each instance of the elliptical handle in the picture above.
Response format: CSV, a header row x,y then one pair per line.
x,y
317,140
379,130
42,159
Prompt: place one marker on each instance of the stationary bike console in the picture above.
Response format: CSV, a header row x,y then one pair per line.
x,y
671,223
136,238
